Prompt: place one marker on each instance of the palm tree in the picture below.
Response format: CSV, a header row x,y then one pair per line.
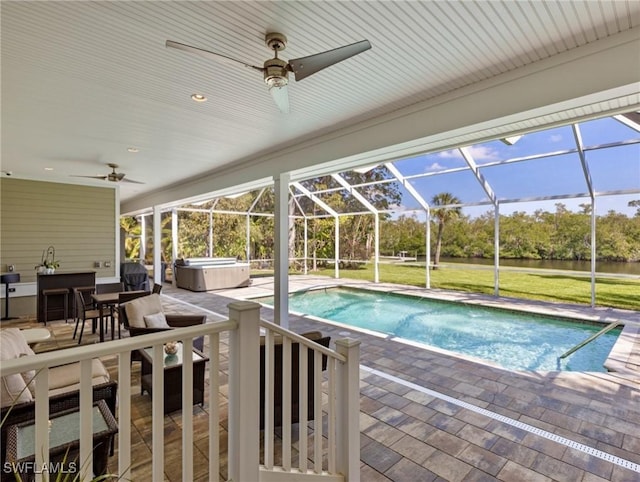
x,y
443,215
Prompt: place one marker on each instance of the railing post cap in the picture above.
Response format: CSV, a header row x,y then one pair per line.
x,y
347,342
244,305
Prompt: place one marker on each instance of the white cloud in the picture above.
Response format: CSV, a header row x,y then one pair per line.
x,y
452,154
484,153
479,153
435,167
555,138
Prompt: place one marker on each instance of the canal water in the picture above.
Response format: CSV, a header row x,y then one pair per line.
x,y
601,266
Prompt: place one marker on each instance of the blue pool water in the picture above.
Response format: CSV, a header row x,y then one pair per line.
x,y
514,340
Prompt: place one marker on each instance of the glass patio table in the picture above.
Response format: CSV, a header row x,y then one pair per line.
x,y
64,443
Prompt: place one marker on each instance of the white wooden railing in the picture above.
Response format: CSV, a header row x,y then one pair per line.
x,y
334,456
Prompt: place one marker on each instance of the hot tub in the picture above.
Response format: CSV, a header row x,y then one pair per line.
x,y
205,274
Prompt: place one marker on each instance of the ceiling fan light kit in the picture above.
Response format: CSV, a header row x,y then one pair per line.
x,y
113,176
276,71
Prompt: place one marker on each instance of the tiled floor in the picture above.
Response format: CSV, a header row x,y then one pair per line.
x,y
428,415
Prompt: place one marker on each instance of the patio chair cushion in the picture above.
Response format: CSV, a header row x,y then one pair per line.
x,y
138,308
156,320
66,378
18,387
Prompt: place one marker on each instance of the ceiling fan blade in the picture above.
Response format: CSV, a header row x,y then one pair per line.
x,y
306,66
91,177
210,55
124,179
280,97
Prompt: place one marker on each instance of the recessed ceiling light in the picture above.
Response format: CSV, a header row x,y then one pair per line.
x,y
133,149
48,168
198,97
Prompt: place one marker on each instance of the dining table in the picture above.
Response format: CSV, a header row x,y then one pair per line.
x,y
108,300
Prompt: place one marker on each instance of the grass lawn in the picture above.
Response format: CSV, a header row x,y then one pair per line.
x,y
613,292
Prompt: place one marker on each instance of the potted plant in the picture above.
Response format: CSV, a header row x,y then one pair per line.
x,y
50,266
48,263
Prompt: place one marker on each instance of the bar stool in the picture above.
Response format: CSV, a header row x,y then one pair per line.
x,y
55,292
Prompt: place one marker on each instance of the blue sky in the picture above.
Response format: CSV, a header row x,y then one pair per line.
x,y
611,168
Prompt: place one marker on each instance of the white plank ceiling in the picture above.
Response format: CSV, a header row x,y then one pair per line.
x,y
83,81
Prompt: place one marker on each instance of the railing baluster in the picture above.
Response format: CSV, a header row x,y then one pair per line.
x,y
157,413
214,407
187,410
268,400
124,415
331,416
85,461
317,411
303,400
42,420
286,404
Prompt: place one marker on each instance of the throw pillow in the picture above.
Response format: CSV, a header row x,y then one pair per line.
x,y
156,320
138,308
13,388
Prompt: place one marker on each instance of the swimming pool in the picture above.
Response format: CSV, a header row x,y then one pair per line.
x,y
514,340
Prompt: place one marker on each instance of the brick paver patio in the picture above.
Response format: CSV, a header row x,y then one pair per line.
x,y
411,430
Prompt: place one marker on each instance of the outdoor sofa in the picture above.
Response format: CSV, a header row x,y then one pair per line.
x,y
17,391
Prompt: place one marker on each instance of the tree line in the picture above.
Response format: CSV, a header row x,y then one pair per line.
x,y
558,235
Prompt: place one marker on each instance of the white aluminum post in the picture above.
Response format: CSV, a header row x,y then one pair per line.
x,y
143,238
306,245
593,252
248,239
244,396
337,250
376,249
425,205
348,416
365,202
496,250
281,250
174,244
211,233
157,244
587,177
428,247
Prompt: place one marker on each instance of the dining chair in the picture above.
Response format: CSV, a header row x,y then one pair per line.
x,y
116,287
110,287
83,313
86,292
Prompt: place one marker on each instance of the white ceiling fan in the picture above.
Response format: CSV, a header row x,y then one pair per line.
x,y
276,71
113,176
